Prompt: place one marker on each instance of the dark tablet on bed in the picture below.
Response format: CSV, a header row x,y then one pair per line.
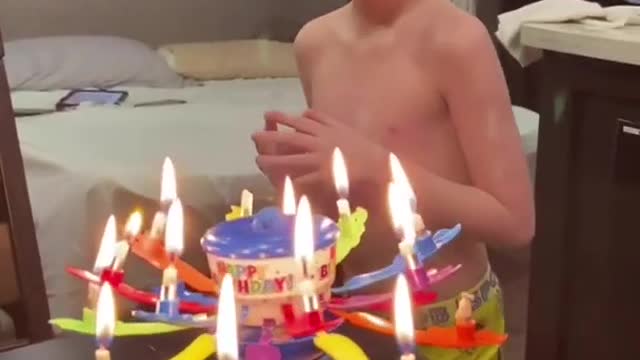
x,y
92,97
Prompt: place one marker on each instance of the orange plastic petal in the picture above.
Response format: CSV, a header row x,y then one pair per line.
x,y
448,338
436,337
153,252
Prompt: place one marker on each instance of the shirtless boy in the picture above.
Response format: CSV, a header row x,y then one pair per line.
x,y
421,79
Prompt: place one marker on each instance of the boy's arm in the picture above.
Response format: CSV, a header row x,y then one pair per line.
x,y
498,208
304,48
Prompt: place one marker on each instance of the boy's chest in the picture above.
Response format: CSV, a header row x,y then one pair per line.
x,y
383,94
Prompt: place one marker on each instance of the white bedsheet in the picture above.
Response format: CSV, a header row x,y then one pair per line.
x,y
77,161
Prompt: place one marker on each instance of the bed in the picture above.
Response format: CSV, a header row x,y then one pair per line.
x,y
85,164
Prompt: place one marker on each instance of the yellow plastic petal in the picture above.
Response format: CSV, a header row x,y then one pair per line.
x,y
203,347
235,214
339,347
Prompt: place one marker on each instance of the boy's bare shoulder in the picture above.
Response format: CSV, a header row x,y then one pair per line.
x,y
318,33
455,34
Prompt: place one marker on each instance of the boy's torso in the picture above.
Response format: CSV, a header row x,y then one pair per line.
x,y
385,83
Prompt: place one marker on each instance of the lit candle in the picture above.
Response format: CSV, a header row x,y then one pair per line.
x,y
246,203
403,319
105,322
226,323
303,251
131,230
168,193
400,177
401,216
404,223
104,259
106,252
341,181
288,198
174,245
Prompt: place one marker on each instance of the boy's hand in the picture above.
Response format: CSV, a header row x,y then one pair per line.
x,y
316,136
271,124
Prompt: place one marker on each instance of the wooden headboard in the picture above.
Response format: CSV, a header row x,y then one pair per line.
x,y
161,21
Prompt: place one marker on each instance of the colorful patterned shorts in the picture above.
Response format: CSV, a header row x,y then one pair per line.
x,y
488,313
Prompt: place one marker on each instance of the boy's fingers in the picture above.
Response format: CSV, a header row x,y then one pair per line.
x,y
274,167
297,140
307,180
271,119
307,160
264,149
300,124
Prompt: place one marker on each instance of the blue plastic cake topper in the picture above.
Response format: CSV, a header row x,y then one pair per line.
x,y
424,248
268,234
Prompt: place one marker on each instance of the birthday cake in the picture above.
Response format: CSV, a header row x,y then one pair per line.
x,y
258,253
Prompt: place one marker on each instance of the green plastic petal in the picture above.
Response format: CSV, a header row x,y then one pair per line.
x,y
87,326
351,229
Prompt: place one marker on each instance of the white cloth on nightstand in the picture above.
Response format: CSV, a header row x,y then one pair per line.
x,y
558,11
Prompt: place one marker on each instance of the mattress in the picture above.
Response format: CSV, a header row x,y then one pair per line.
x,y
85,164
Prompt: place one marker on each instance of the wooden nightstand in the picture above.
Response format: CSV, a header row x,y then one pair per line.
x,y
30,311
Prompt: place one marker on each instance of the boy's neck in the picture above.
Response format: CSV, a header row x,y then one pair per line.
x,y
380,12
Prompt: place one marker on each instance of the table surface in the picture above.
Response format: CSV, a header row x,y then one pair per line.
x,y
163,347
619,45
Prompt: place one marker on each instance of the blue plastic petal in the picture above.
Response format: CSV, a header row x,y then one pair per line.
x,y
428,246
191,297
361,281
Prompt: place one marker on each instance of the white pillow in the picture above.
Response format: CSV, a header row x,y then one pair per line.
x,y
71,62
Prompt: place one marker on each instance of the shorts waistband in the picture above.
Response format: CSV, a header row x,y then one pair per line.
x,y
443,313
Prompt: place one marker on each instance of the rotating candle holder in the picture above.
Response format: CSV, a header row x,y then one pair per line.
x,y
284,293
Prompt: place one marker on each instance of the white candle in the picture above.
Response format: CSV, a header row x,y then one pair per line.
x,y
174,245
403,319
227,321
246,203
403,222
303,248
105,322
122,251
341,182
103,354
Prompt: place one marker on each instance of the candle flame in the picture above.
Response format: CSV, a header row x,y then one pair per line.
x,y
105,316
227,328
303,243
168,189
402,313
134,224
401,215
289,198
340,175
399,176
174,231
107,249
